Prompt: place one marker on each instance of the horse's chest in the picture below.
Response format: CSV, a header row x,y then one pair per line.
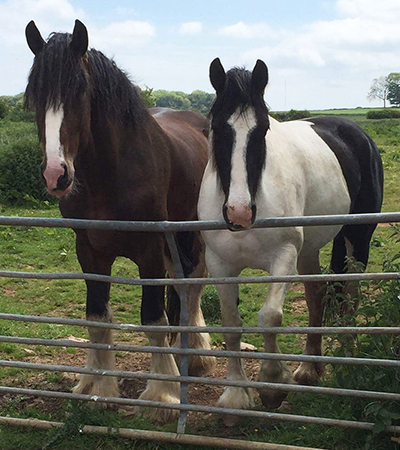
x,y
253,248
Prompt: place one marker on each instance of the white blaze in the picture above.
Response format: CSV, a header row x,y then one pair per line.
x,y
54,149
239,193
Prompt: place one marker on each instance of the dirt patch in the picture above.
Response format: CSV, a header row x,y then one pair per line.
x,y
8,291
129,388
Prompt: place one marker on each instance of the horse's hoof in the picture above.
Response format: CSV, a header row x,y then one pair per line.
x,y
230,421
235,398
160,393
271,398
276,373
98,387
157,415
308,373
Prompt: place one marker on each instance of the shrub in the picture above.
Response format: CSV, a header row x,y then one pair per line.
x,y
384,114
210,305
3,108
378,308
293,114
20,171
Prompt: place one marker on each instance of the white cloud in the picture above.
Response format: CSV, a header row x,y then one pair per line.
x,y
49,15
387,10
130,33
190,28
247,31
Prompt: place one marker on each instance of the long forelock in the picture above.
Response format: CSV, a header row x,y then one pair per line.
x,y
237,95
59,77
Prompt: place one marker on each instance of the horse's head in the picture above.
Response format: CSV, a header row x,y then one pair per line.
x,y
59,91
239,123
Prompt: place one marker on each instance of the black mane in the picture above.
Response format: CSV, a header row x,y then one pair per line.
x,y
238,94
58,76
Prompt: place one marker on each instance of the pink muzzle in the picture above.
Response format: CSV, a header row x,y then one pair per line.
x,y
240,215
51,175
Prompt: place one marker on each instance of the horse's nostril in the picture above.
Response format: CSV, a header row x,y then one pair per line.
x,y
63,180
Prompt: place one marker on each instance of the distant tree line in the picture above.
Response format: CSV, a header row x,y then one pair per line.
x,y
386,89
199,101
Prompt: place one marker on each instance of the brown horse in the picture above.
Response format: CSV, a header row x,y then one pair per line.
x,y
107,157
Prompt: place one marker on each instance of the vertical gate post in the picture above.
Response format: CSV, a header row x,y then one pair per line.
x,y
184,321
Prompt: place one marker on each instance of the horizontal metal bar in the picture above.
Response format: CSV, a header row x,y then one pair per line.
x,y
191,351
203,329
199,408
162,226
195,281
158,436
204,380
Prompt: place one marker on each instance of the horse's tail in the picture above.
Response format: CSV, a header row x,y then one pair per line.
x,y
338,260
173,306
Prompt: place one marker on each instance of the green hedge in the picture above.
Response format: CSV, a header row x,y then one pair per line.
x,y
293,114
20,179
387,113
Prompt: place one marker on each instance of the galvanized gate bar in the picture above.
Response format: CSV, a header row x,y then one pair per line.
x,y
202,352
198,408
193,329
184,407
158,436
204,380
184,320
149,226
206,281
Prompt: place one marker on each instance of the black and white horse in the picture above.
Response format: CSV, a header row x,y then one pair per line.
x,y
258,166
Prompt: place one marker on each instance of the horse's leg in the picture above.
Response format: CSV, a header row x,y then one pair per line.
x,y
271,316
309,373
232,397
153,313
198,365
97,309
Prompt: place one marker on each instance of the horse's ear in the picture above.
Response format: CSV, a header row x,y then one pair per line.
x,y
80,39
259,77
217,75
34,38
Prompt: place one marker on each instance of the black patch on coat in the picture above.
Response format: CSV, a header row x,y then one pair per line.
x,y
359,159
362,168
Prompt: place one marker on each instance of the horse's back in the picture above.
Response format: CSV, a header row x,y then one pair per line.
x,y
173,120
187,134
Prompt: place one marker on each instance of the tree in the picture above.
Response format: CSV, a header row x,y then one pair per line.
x,y
394,88
201,101
3,108
171,99
379,89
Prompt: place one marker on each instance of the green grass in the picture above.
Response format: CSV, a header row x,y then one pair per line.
x,y
53,250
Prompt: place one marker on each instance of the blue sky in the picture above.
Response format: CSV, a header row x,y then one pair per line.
x,y
320,54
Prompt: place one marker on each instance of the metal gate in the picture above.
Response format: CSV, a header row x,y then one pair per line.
x,y
169,228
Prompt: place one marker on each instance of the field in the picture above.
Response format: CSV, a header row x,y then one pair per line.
x,y
52,250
